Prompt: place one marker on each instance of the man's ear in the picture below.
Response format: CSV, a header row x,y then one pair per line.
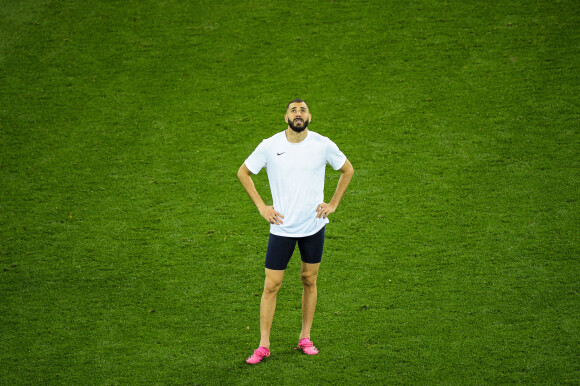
x,y
309,117
286,117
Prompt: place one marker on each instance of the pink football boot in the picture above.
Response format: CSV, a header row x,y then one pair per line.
x,y
259,354
307,346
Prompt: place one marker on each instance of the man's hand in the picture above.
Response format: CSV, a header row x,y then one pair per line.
x,y
270,214
324,210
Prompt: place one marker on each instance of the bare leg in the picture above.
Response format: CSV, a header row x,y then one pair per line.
x,y
272,285
308,274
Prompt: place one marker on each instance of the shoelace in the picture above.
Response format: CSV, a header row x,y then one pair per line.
x,y
261,352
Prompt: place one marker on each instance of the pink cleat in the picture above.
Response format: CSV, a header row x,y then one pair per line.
x,y
259,354
307,346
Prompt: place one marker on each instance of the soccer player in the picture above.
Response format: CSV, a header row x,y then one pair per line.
x,y
295,161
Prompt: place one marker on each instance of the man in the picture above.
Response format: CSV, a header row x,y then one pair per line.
x,y
295,160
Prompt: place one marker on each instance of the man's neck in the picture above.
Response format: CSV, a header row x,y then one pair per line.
x,y
295,137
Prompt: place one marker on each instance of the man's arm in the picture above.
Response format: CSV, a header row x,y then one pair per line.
x,y
346,175
268,212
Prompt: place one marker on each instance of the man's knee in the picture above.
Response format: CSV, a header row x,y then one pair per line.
x,y
309,278
272,286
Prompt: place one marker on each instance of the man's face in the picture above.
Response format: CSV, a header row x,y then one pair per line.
x,y
298,116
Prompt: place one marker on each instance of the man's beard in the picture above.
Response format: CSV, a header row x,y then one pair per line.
x,y
298,129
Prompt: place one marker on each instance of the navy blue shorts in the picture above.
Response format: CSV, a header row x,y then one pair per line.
x,y
280,249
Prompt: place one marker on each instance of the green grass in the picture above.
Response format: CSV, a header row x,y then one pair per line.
x,y
129,252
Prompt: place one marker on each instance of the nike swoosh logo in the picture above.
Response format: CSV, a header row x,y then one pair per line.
x,y
281,153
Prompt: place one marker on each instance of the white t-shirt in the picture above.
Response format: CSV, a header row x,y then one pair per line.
x,y
296,177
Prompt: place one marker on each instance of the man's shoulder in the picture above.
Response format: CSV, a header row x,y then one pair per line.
x,y
270,141
275,138
315,137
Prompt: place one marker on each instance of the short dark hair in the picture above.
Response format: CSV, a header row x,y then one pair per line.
x,y
297,100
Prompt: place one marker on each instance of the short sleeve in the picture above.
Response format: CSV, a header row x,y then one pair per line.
x,y
334,156
257,160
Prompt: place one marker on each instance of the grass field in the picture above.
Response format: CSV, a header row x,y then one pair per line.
x,y
130,253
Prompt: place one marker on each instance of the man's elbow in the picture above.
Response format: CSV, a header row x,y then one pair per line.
x,y
350,170
347,169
